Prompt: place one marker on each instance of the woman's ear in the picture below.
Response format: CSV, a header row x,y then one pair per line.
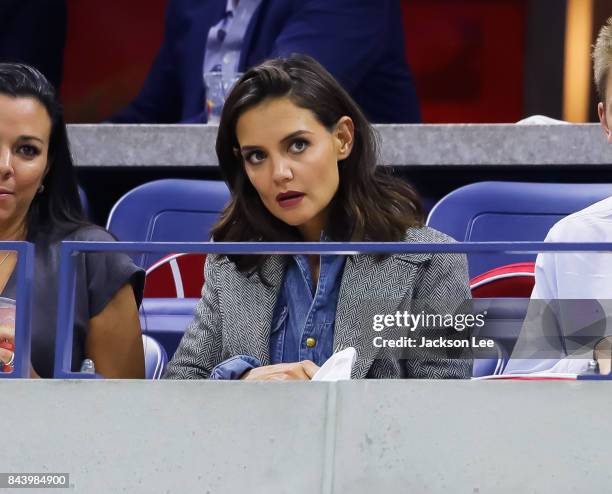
x,y
345,137
601,111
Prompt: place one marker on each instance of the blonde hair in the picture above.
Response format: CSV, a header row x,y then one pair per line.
x,y
602,58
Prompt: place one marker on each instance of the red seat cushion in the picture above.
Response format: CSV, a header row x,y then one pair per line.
x,y
511,280
176,276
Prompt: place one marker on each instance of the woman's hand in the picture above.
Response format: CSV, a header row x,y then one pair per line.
x,y
298,371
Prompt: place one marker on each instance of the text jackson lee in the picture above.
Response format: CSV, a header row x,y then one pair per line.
x,y
424,342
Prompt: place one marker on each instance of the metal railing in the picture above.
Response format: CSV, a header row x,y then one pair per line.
x,y
69,251
23,310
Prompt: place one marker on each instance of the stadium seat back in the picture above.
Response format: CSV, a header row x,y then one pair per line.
x,y
169,210
176,275
503,322
512,280
509,211
166,319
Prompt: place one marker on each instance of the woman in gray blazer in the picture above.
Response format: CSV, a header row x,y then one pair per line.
x,y
300,160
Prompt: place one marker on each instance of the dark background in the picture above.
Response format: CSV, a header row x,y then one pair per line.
x,y
474,61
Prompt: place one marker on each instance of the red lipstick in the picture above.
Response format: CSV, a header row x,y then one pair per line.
x,y
289,199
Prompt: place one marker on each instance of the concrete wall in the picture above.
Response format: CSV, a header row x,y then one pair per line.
x,y
402,145
352,437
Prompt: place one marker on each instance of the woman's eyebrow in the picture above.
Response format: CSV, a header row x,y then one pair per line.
x,y
295,134
245,149
30,138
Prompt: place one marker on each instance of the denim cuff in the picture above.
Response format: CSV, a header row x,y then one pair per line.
x,y
234,367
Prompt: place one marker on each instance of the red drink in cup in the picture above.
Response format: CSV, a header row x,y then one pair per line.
x,y
7,326
7,345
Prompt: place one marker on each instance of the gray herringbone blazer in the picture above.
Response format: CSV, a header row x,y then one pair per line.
x,y
234,315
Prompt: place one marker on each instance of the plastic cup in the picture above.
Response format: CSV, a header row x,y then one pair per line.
x,y
218,85
7,321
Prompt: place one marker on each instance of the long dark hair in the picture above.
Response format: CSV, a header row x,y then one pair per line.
x,y
58,207
371,204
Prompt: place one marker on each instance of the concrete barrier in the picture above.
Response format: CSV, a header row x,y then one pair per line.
x,y
402,145
350,437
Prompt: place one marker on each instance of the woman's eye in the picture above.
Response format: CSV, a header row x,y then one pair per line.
x,y
298,146
28,151
255,157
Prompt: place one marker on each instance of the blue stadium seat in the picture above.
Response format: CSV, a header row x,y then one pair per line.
x,y
509,211
485,367
490,366
156,358
166,319
503,323
169,210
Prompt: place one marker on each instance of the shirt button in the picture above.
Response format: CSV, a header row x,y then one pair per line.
x,y
311,342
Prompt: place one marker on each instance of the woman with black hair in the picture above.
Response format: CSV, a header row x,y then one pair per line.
x,y
39,202
300,160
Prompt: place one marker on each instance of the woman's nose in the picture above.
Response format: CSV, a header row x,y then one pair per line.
x,y
5,159
281,170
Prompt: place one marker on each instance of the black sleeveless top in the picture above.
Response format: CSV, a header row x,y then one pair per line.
x,y
99,276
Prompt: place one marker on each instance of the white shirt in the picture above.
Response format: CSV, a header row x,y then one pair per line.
x,y
584,276
577,275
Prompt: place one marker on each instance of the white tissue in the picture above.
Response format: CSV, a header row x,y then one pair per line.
x,y
338,367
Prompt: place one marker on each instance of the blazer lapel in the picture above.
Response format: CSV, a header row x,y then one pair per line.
x,y
370,287
256,302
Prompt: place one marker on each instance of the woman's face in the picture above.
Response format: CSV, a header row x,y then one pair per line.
x,y
292,161
25,128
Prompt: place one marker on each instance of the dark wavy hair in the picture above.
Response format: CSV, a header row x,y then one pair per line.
x,y
58,207
371,204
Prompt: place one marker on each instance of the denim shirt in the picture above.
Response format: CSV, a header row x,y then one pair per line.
x,y
303,320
